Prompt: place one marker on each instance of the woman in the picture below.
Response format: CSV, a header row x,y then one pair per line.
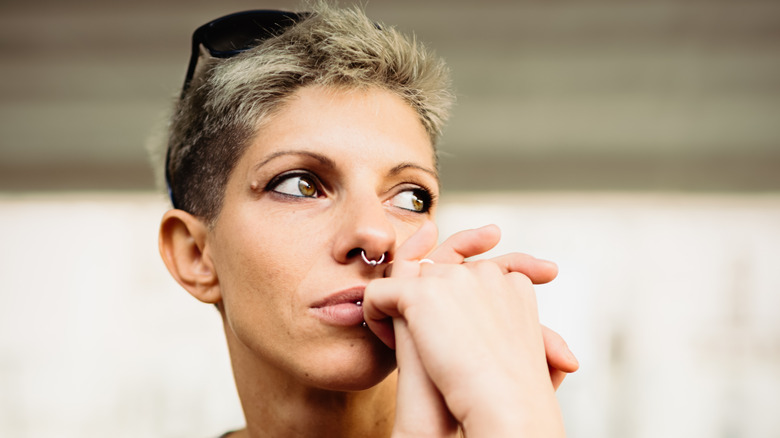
x,y
302,170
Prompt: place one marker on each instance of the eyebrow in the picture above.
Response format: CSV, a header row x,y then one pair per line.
x,y
319,157
403,166
332,164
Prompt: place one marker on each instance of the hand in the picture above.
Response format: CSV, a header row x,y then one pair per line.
x,y
469,243
420,409
477,336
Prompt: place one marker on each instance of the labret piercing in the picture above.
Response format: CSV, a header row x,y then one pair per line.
x,y
360,304
372,262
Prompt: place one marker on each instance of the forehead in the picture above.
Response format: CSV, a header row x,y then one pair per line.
x,y
348,123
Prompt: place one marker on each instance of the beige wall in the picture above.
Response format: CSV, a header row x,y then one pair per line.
x,y
669,301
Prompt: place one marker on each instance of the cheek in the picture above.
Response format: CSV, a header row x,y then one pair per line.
x,y
257,264
261,288
266,257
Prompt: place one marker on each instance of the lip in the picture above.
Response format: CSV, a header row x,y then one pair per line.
x,y
340,308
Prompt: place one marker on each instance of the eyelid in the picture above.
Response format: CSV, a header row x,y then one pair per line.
x,y
431,196
284,176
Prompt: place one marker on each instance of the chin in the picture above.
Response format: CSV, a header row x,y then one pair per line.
x,y
353,368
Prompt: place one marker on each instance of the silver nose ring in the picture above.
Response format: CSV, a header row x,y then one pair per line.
x,y
372,262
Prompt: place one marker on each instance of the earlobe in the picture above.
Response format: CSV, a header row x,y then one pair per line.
x,y
184,248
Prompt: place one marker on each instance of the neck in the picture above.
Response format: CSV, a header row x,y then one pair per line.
x,y
275,404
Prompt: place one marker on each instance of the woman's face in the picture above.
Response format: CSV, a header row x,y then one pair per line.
x,y
332,174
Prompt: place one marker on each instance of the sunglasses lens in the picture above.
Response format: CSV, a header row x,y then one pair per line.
x,y
239,32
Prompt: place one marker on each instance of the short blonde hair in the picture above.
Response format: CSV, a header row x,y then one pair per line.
x,y
223,107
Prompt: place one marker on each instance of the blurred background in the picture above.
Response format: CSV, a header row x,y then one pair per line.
x,y
635,143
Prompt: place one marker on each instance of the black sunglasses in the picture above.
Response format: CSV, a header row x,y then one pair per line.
x,y
228,36
235,33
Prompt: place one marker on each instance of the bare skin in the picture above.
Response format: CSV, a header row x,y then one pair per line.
x,y
355,174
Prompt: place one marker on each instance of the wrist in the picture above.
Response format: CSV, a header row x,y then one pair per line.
x,y
526,412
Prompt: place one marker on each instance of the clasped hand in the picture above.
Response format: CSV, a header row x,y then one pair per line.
x,y
470,350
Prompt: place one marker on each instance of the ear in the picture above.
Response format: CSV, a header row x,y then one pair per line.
x,y
184,248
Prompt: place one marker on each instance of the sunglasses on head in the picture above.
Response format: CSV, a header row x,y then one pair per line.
x,y
235,33
228,36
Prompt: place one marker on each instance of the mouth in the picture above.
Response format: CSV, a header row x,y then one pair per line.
x,y
342,308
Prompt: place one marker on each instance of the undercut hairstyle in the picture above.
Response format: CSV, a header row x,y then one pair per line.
x,y
229,99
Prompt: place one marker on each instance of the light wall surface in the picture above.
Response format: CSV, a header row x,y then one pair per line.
x,y
669,301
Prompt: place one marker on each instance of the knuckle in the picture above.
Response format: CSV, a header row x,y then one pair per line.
x,y
487,268
522,285
519,279
426,289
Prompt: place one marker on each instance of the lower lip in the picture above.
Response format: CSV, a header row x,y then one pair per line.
x,y
344,314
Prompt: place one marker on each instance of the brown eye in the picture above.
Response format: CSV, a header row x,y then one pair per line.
x,y
417,203
417,200
301,186
306,187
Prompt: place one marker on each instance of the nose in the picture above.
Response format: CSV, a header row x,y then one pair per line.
x,y
365,230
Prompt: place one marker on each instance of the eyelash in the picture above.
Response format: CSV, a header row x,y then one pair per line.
x,y
419,191
278,180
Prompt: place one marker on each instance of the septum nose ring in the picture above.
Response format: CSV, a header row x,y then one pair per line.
x,y
372,262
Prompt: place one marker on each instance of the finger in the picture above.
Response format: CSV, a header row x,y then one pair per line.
x,y
559,356
406,261
420,408
538,270
380,303
557,376
470,243
467,243
378,311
